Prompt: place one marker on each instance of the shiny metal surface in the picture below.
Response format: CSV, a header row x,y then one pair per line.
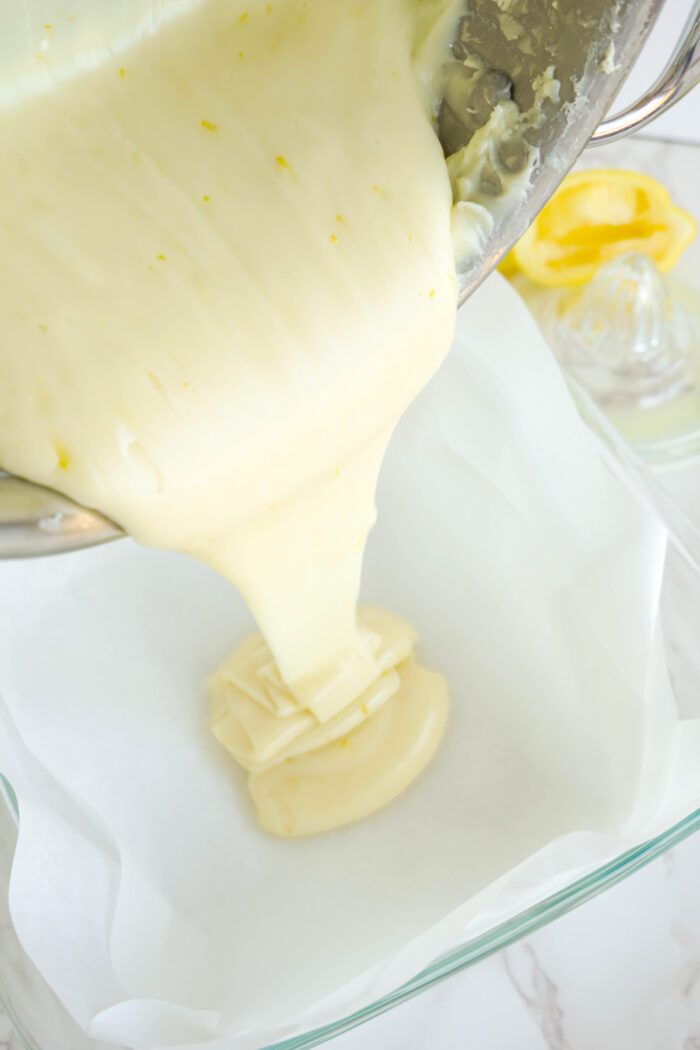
x,y
36,521
682,73
577,36
624,25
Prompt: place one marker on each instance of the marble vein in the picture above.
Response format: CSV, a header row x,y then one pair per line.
x,y
542,996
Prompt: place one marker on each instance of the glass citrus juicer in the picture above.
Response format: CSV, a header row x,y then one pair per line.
x,y
591,44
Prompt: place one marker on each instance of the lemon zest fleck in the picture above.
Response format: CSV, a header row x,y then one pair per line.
x,y
62,457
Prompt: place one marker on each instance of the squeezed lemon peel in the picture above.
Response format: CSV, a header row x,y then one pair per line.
x,y
594,217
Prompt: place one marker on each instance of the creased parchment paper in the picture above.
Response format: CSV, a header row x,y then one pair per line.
x,y
142,888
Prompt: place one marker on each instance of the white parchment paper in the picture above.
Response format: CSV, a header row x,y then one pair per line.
x,y
142,888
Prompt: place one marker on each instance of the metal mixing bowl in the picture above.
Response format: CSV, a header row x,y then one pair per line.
x,y
592,45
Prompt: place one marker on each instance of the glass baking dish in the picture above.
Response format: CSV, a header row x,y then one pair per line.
x,y
39,1019
41,1023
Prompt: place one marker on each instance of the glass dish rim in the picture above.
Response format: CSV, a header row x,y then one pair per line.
x,y
499,937
527,922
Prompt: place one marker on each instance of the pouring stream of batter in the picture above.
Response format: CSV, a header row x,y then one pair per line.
x,y
228,269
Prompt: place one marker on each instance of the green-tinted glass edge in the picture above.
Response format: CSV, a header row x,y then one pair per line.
x,y
527,922
8,791
500,937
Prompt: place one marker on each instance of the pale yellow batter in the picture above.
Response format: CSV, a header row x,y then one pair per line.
x,y
309,775
227,269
